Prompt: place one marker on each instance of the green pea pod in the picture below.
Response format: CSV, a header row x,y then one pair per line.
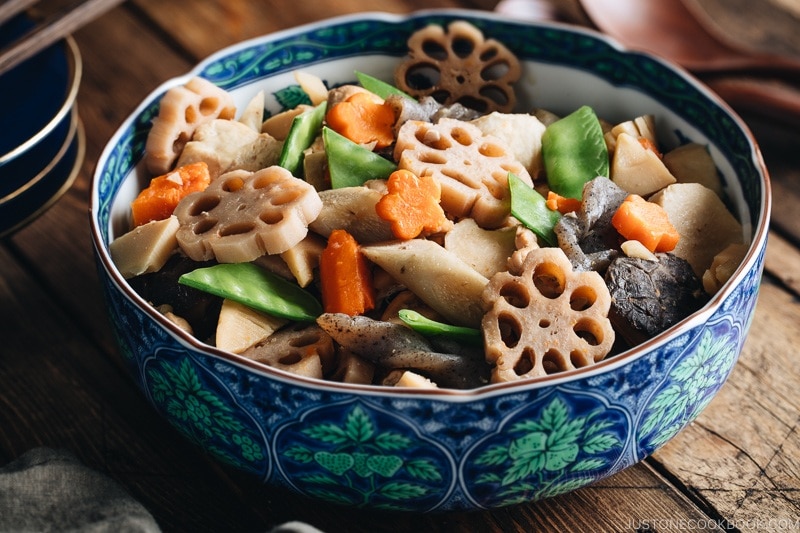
x,y
379,87
574,152
302,133
530,208
257,288
351,165
431,328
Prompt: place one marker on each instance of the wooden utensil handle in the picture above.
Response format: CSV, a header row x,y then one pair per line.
x,y
52,29
771,97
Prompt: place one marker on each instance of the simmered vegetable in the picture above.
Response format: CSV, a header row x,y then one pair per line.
x,y
159,199
531,209
650,296
379,87
305,127
253,286
345,277
350,164
412,205
574,152
430,243
647,223
364,119
434,328
556,202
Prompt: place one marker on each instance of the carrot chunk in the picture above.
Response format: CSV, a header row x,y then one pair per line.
x,y
160,198
650,145
346,281
562,204
363,118
412,204
646,222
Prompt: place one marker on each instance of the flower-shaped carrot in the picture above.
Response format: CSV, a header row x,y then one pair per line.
x,y
363,118
412,205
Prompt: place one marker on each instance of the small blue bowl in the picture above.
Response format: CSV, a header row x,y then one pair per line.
x,y
438,450
42,89
41,191
38,134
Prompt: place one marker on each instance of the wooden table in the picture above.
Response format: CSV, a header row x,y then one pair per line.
x,y
62,385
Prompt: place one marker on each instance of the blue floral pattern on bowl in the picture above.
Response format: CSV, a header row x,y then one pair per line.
x,y
376,448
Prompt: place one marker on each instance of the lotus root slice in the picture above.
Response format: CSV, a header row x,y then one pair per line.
x,y
459,65
182,109
547,319
472,168
243,215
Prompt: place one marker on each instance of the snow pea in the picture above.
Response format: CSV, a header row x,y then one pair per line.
x,y
574,152
256,288
432,328
349,164
379,87
303,131
530,208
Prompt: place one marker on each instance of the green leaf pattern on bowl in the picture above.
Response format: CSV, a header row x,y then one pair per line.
x,y
204,417
356,462
549,449
694,380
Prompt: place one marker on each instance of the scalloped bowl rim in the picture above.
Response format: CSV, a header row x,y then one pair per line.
x,y
758,234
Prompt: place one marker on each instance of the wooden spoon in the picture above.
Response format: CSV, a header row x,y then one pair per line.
x,y
668,29
749,81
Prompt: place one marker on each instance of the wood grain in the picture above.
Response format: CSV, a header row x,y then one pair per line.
x,y
62,385
738,454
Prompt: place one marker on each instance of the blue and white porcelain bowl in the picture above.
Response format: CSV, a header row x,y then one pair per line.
x,y
437,450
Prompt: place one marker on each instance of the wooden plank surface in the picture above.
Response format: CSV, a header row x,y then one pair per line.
x,y
62,385
740,456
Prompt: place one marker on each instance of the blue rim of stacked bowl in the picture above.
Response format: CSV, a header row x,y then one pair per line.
x,y
42,142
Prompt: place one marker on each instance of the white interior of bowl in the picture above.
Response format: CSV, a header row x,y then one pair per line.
x,y
556,88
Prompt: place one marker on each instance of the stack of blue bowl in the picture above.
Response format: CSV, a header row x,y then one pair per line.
x,y
41,138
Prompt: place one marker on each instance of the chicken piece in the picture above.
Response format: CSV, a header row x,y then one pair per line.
x,y
521,133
